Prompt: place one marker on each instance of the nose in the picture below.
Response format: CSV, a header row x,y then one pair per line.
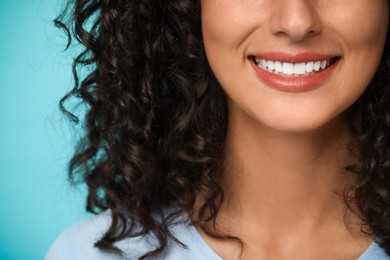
x,y
296,19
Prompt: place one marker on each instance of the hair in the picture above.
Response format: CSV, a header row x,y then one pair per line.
x,y
156,122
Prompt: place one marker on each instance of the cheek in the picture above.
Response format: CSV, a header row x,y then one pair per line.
x,y
364,27
363,33
229,22
215,28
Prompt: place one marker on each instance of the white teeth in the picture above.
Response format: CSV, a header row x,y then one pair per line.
x,y
278,67
309,67
264,63
323,64
300,68
287,68
271,65
317,66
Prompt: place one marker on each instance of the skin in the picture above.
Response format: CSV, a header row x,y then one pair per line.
x,y
285,151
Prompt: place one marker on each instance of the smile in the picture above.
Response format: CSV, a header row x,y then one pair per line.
x,y
294,73
293,69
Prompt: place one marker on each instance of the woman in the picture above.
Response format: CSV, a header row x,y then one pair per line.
x,y
250,129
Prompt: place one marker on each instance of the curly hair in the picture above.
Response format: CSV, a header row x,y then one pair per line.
x,y
157,118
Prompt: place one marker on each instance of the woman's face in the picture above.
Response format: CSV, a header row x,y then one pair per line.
x,y
293,65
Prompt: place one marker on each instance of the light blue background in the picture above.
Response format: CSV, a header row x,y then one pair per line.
x,y
35,139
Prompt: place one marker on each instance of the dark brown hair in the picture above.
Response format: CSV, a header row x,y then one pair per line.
x,y
156,120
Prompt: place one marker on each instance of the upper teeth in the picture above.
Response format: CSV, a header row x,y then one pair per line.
x,y
292,68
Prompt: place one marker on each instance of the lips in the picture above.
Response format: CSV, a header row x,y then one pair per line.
x,y
294,73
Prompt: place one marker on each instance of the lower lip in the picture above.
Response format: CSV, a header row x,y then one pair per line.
x,y
294,83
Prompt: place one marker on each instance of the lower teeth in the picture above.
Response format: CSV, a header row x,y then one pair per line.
x,y
295,75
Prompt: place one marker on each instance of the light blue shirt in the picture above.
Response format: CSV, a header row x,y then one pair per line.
x,y
77,242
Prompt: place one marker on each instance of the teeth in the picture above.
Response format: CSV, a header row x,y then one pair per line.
x,y
278,67
287,68
323,64
300,68
271,65
264,63
310,67
317,66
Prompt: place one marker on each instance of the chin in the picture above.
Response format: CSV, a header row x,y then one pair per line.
x,y
306,126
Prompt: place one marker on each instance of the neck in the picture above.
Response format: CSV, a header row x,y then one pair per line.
x,y
274,178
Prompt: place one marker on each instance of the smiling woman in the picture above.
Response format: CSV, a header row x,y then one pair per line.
x,y
268,45
233,129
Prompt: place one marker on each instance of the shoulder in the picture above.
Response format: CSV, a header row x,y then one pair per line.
x,y
77,242
374,252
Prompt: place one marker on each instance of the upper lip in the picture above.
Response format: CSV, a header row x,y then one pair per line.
x,y
294,58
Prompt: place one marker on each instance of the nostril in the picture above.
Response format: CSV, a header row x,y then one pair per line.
x,y
296,20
